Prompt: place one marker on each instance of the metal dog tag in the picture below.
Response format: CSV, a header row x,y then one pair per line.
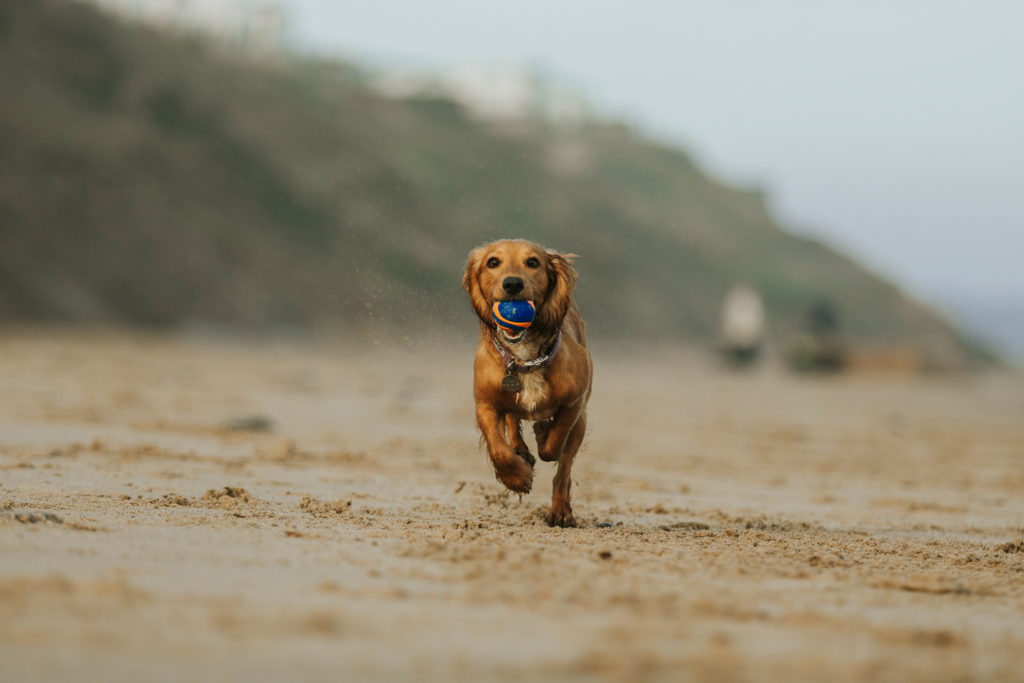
x,y
512,384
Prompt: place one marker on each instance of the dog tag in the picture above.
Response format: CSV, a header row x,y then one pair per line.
x,y
512,384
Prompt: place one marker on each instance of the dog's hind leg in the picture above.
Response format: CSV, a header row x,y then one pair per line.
x,y
511,467
561,510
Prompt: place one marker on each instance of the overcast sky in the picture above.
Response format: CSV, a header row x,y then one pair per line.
x,y
894,129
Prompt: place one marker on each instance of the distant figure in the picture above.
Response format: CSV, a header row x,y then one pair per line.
x,y
822,318
742,326
819,347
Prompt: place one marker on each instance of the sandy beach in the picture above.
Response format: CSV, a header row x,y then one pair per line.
x,y
190,508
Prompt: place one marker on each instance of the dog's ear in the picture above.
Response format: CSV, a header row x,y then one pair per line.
x,y
471,283
561,281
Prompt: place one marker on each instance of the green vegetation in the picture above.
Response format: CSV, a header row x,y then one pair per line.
x,y
149,179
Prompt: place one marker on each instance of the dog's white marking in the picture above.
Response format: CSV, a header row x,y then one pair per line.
x,y
535,390
535,386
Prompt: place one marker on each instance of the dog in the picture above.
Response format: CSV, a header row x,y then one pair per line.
x,y
543,374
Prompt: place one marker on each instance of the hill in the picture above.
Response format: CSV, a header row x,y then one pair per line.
x,y
156,180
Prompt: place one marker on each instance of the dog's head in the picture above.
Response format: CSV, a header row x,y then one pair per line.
x,y
517,270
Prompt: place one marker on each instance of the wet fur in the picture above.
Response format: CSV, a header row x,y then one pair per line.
x,y
553,398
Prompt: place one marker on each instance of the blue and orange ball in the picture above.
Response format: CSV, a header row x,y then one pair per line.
x,y
514,317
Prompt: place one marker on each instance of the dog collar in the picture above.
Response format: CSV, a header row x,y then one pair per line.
x,y
513,364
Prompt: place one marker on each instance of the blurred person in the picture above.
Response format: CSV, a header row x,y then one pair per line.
x,y
742,328
819,346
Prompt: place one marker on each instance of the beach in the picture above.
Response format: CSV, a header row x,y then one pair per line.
x,y
184,506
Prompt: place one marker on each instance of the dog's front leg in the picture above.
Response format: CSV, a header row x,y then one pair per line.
x,y
515,438
552,434
512,468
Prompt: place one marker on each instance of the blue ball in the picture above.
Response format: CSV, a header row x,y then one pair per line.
x,y
513,316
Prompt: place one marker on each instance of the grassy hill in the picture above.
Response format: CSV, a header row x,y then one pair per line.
x,y
149,179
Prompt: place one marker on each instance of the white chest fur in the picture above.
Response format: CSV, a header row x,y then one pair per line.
x,y
535,391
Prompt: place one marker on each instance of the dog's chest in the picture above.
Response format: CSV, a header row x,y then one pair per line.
x,y
534,394
534,399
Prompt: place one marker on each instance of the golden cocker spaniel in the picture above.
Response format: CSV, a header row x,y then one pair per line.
x,y
542,374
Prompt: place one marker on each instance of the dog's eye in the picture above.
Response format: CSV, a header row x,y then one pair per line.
x,y
533,262
493,262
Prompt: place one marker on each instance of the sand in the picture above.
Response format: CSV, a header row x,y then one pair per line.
x,y
186,508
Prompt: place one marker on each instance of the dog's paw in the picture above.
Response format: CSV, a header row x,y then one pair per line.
x,y
541,431
548,457
561,516
526,455
516,474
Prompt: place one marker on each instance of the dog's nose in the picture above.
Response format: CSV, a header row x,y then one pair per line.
x,y
513,285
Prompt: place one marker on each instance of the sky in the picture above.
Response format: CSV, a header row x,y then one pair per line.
x,y
893,130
